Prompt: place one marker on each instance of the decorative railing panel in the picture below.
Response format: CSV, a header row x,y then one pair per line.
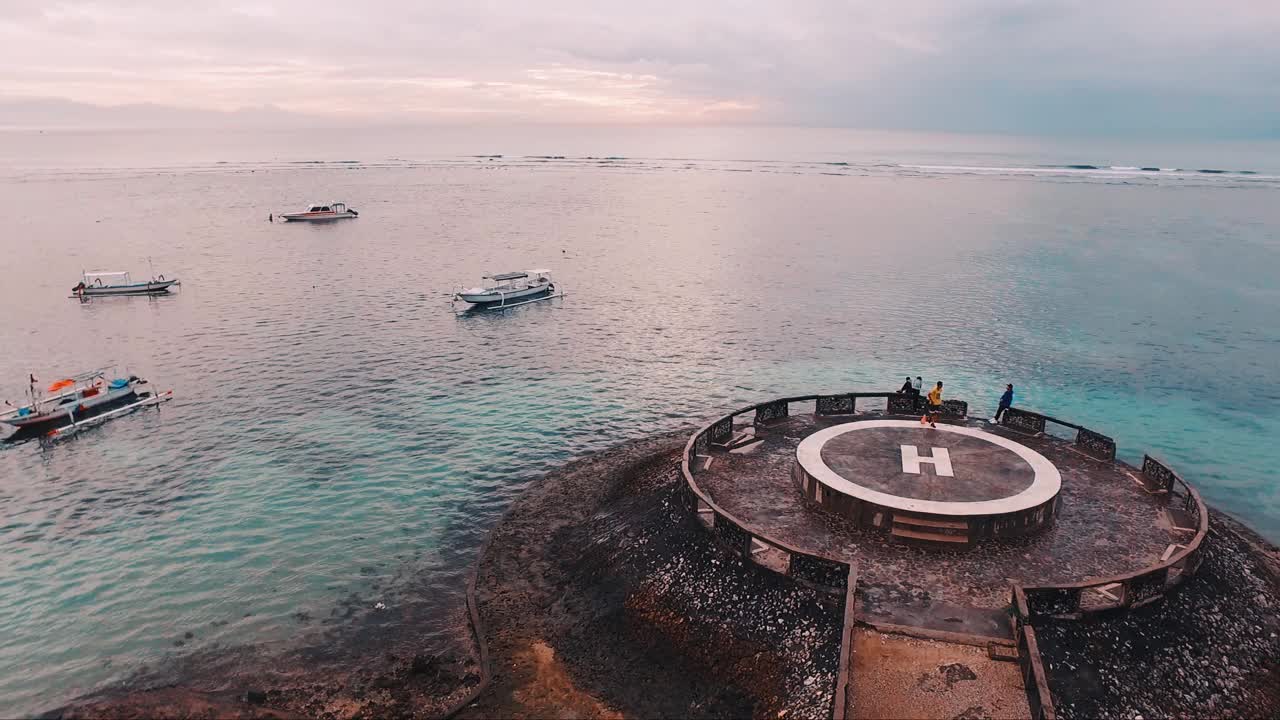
x,y
1023,420
955,409
835,405
1158,475
722,430
1145,588
731,535
700,444
1052,601
819,571
775,410
688,499
1096,444
901,404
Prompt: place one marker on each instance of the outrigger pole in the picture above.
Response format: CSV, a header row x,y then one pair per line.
x,y
152,400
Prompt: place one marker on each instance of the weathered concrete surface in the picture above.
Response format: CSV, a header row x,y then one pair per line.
x,y
1107,525
1210,649
601,596
894,676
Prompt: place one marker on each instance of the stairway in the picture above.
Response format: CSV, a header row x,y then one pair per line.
x,y
738,440
920,529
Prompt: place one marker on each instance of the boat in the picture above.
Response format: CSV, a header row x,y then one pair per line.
x,y
99,283
77,400
315,213
511,288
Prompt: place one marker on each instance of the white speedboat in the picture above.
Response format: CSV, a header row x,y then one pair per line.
x,y
316,213
505,289
94,284
77,399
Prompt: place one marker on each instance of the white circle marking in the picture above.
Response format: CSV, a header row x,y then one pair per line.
x,y
1045,485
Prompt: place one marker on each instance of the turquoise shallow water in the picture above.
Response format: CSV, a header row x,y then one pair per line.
x,y
337,426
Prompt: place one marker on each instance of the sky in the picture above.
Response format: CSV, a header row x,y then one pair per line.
x,y
1047,66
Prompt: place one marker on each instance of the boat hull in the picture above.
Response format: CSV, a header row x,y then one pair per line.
x,y
503,298
154,287
317,217
78,411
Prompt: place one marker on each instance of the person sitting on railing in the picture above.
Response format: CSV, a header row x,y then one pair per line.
x,y
908,389
1005,401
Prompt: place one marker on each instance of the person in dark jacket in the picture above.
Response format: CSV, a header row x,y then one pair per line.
x,y
907,388
1005,401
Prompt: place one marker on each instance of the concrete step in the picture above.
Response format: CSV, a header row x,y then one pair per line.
x,y
918,521
737,440
898,531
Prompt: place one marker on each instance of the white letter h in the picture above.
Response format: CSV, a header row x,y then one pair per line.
x,y
941,461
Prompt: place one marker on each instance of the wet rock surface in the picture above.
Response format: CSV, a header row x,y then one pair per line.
x,y
351,677
600,595
1211,648
369,658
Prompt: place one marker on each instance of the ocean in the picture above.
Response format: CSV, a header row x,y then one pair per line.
x,y
338,428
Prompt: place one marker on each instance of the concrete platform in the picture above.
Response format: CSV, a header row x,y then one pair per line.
x,y
949,484
1104,522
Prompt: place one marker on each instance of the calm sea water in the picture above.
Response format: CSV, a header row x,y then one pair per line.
x,y
336,424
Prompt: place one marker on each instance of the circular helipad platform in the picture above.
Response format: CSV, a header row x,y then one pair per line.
x,y
950,484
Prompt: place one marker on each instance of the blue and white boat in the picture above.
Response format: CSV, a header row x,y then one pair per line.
x,y
100,283
511,288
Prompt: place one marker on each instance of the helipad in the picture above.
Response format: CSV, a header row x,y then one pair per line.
x,y
950,484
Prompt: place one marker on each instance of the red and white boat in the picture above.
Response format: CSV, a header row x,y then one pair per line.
x,y
79,399
316,213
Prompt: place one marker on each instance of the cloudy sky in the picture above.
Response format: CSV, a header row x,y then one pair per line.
x,y
1208,67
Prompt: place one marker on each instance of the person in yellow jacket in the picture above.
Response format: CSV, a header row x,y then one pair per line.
x,y
935,406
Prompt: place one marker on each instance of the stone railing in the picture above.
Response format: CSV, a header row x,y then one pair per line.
x,y
1034,679
1091,443
1075,600
835,578
1029,602
844,693
816,571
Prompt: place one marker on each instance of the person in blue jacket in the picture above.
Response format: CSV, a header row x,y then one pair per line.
x,y
1005,401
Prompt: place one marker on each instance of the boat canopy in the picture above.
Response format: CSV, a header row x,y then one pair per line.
x,y
508,276
104,275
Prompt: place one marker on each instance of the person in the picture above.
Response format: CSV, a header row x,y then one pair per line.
x,y
907,388
935,406
271,217
919,385
1005,401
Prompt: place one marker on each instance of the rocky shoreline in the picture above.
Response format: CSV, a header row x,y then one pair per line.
x,y
599,596
1210,648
